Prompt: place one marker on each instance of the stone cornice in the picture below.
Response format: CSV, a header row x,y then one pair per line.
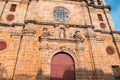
x,y
45,23
11,25
116,32
96,6
107,32
100,7
58,39
101,31
56,25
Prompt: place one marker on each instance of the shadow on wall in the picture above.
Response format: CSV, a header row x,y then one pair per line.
x,y
81,74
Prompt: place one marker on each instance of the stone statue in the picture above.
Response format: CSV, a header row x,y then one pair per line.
x,y
45,33
62,33
78,36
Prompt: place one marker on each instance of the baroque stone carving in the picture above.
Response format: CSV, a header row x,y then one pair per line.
x,y
44,46
91,35
26,32
45,33
81,48
62,33
29,32
62,47
77,36
16,34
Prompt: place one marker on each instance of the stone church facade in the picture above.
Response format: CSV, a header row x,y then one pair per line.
x,y
58,40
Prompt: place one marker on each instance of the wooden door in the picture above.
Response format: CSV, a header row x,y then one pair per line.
x,y
62,67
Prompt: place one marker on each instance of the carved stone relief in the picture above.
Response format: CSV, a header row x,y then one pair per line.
x,y
44,45
78,36
80,47
50,39
16,34
91,35
29,32
100,38
62,33
25,32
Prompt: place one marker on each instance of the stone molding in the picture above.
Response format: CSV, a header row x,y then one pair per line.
x,y
29,32
60,39
46,23
24,32
12,24
100,38
101,31
46,46
57,25
106,32
116,32
16,33
100,7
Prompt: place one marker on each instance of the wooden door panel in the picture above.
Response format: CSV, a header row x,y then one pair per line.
x,y
62,67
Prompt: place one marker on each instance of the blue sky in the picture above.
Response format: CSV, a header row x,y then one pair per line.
x,y
115,11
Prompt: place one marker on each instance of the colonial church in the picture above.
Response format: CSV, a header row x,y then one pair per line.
x,y
58,40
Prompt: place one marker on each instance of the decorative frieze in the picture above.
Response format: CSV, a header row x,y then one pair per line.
x,y
16,34
77,36
25,32
100,38
59,39
29,32
91,35
46,33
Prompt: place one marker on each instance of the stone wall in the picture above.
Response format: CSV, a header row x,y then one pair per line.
x,y
33,37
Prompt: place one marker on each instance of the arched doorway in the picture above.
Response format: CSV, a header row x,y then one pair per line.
x,y
62,67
